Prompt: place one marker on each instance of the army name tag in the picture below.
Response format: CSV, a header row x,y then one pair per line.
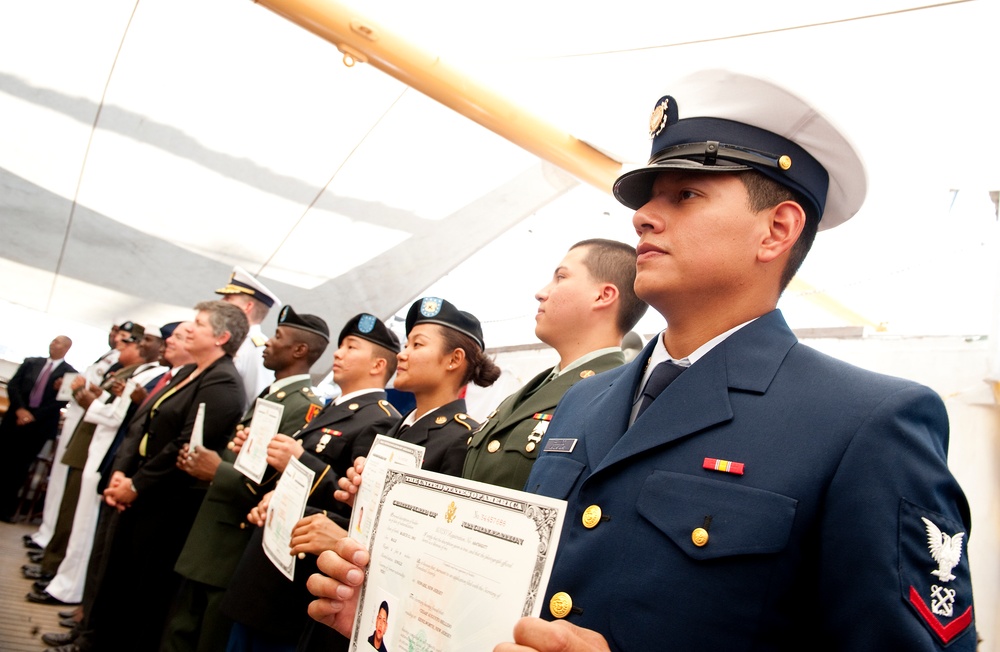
x,y
559,446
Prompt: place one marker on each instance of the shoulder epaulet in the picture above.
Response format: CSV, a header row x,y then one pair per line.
x,y
308,392
461,417
258,340
387,407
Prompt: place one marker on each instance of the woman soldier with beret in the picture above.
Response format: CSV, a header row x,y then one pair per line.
x,y
443,353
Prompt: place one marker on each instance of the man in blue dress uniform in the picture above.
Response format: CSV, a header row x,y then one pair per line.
x,y
732,489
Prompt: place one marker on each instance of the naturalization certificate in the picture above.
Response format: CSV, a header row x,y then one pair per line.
x,y
252,460
287,506
454,563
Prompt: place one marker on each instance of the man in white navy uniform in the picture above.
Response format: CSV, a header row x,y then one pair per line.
x,y
255,300
769,498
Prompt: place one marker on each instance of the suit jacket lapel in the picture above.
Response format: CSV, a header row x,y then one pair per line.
x,y
748,360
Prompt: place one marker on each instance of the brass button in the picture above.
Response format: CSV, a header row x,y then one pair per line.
x,y
493,446
440,420
560,604
280,395
243,526
591,516
530,446
353,406
785,162
699,536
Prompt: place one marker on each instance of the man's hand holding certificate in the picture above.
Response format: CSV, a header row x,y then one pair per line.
x,y
454,565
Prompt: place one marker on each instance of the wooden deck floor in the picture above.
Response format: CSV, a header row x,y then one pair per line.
x,y
21,622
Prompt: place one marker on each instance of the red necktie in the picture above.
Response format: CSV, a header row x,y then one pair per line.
x,y
164,379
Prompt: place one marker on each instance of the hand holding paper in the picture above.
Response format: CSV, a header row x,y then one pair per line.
x,y
344,571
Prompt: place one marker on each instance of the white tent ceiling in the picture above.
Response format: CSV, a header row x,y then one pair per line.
x,y
148,146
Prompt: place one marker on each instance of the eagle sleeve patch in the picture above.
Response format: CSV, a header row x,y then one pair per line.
x,y
934,571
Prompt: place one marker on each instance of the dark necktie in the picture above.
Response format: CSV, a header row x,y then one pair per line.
x,y
663,374
35,398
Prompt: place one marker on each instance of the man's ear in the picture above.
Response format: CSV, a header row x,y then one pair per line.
x,y
785,224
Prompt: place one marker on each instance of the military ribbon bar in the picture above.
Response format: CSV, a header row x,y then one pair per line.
x,y
725,466
541,416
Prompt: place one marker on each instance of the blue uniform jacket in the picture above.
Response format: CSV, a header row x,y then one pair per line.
x,y
823,543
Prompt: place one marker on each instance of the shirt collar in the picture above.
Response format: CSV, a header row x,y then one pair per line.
x,y
286,381
583,359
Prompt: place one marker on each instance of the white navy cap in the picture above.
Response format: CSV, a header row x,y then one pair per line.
x,y
721,121
243,282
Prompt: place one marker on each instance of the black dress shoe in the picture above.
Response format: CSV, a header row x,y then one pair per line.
x,y
35,573
30,543
68,623
69,647
59,638
67,613
43,597
35,556
40,585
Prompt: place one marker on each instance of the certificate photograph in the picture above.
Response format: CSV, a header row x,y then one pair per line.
x,y
252,459
454,563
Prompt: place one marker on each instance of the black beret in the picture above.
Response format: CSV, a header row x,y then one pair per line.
x,y
432,310
310,323
369,327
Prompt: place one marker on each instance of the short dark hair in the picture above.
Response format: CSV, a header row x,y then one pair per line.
x,y
379,351
317,343
480,369
764,193
384,607
225,317
610,261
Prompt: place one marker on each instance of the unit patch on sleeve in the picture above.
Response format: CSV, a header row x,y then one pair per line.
x,y
934,571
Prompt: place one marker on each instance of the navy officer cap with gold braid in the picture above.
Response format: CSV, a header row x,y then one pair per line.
x,y
734,122
432,310
311,323
371,328
243,282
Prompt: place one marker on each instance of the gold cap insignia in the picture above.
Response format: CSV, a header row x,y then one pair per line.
x,y
658,119
440,420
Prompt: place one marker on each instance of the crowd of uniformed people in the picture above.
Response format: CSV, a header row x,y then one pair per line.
x,y
730,489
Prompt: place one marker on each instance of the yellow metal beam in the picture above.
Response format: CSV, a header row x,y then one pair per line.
x,y
363,41
830,305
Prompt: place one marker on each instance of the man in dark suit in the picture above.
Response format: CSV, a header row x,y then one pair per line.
x,y
769,498
583,313
31,420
